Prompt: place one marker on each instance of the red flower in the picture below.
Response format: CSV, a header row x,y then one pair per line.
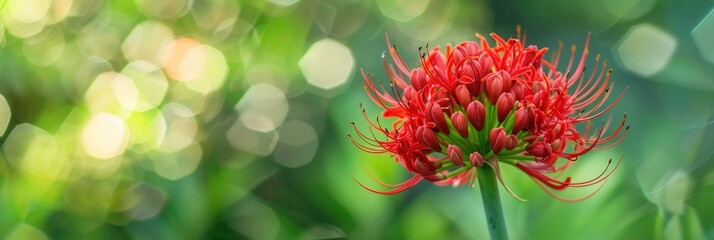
x,y
500,104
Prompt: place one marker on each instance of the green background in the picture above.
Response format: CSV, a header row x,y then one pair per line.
x,y
246,138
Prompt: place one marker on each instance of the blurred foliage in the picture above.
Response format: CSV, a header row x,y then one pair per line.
x,y
170,119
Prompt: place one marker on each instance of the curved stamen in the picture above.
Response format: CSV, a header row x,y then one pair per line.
x,y
400,187
398,60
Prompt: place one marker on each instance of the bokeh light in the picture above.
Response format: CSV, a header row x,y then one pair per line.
x,y
32,151
262,108
213,72
45,47
143,201
223,119
181,127
327,64
402,10
140,86
5,115
646,49
184,59
146,41
297,144
105,136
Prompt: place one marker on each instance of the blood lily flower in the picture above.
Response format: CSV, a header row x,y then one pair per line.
x,y
474,104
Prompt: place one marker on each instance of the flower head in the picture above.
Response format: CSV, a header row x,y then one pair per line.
x,y
475,104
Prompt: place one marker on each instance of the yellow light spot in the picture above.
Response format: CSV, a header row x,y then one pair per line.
x,y
58,11
146,41
99,38
181,127
105,136
177,165
164,9
284,3
5,115
147,130
646,49
28,10
213,74
99,98
19,28
297,145
263,107
327,64
140,86
402,10
44,48
32,151
143,201
251,141
210,15
184,59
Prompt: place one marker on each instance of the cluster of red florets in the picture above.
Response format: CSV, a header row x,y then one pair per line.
x,y
476,104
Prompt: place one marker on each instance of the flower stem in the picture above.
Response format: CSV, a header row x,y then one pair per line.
x,y
492,203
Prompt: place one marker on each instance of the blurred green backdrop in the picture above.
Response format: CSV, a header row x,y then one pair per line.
x,y
186,119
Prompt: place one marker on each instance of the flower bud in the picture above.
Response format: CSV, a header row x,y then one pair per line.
x,y
428,138
442,98
529,54
455,155
463,95
506,80
518,89
423,168
494,87
531,138
471,47
437,60
410,94
437,115
476,159
472,69
427,112
476,87
539,119
459,53
539,149
497,139
476,114
541,100
511,142
418,78
504,105
459,121
521,120
537,87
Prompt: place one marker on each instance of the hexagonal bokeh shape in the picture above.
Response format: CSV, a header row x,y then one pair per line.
x,y
327,64
403,10
5,115
703,35
284,3
645,49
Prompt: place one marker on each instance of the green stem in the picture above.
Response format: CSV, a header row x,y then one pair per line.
x,y
492,203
